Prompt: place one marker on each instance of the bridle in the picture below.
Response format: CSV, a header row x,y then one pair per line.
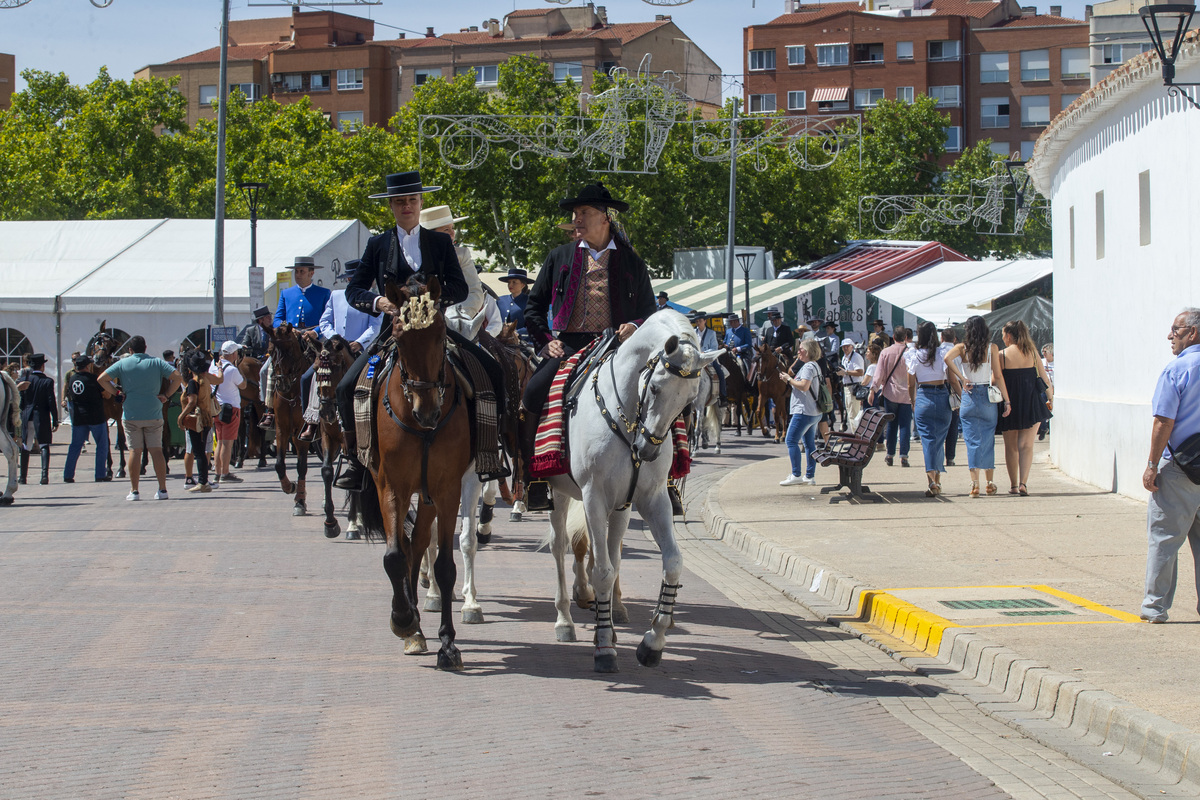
x,y
629,429
408,385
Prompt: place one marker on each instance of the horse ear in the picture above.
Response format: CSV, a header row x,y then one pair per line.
x,y
397,294
671,346
434,288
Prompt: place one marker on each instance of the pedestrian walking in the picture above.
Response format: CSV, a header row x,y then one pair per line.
x,y
141,377
852,370
86,404
227,379
196,416
975,364
806,412
930,393
1172,473
893,388
39,417
948,341
1048,365
1026,380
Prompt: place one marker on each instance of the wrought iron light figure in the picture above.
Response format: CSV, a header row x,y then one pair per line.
x,y
1167,25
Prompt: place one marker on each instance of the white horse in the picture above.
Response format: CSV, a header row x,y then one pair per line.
x,y
10,413
708,412
616,435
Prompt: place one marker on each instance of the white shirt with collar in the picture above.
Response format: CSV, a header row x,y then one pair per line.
x,y
595,254
410,243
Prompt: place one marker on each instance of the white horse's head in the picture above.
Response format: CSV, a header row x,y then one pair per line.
x,y
676,361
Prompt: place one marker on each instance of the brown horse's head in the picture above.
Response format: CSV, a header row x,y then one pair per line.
x,y
333,360
420,333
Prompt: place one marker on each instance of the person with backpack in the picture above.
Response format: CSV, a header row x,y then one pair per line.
x,y
893,386
806,412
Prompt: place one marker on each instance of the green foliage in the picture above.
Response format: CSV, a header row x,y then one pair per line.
x,y
100,152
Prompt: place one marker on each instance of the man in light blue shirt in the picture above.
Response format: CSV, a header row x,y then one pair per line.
x,y
1173,511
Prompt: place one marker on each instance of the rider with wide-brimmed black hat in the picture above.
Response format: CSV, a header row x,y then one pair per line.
x,y
592,284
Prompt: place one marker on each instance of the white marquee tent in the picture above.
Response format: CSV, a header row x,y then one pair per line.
x,y
59,280
952,291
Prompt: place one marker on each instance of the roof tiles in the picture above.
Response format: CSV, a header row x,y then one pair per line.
x,y
237,52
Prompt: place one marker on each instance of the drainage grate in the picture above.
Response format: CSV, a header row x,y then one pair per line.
x,y
1041,613
1030,602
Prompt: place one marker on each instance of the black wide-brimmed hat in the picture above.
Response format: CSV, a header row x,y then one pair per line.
x,y
304,262
516,274
400,184
594,194
664,296
260,312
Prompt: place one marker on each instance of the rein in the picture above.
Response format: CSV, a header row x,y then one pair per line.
x,y
637,424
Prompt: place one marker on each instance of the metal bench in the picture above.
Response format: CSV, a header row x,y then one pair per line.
x,y
850,452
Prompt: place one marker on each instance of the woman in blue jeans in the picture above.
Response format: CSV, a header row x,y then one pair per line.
x,y
930,393
806,412
975,364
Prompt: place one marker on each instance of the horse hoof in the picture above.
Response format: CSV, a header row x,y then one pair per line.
x,y
405,630
352,535
7,501
648,657
584,602
288,488
565,633
415,645
424,581
472,616
449,659
433,604
620,615
332,530
299,510
717,452
605,660
483,538
514,516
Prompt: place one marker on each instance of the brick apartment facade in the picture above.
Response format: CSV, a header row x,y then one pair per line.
x,y
999,72
335,61
8,79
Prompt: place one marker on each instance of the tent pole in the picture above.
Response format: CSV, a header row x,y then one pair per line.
x,y
219,245
58,370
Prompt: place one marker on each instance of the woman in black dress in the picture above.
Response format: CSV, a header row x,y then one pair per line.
x,y
1026,379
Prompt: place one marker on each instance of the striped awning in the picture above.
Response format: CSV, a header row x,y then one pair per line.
x,y
833,94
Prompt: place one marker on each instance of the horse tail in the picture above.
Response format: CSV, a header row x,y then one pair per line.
x,y
371,514
577,529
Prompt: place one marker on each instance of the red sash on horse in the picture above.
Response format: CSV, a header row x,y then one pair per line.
x,y
549,451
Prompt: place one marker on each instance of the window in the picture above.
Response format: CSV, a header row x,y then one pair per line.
x,y
1144,208
208,94
607,67
13,345
347,121
249,90
1067,99
867,98
421,76
797,101
795,54
1035,111
953,139
833,106
994,112
348,79
947,50
993,67
1075,63
946,96
1099,225
762,103
318,82
762,59
1000,149
833,55
1118,53
485,75
1071,230
293,82
1035,65
904,94
568,69
904,51
868,53
1027,150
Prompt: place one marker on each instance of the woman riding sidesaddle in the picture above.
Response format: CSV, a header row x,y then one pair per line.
x,y
584,287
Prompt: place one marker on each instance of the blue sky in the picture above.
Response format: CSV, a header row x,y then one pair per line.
x,y
73,36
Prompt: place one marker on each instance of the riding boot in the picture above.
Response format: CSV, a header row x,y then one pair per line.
x,y
676,499
354,472
267,423
537,492
309,433
24,474
45,464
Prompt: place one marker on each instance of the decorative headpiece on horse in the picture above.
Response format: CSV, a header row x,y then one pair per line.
x,y
419,312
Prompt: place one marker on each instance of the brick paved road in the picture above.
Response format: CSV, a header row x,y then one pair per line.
x,y
215,647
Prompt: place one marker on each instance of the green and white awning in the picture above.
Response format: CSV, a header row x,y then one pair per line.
x,y
799,300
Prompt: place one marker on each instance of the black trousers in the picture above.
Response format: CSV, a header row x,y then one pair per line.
x,y
200,441
538,388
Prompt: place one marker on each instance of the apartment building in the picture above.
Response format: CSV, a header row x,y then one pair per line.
x,y
1117,34
334,60
999,71
8,79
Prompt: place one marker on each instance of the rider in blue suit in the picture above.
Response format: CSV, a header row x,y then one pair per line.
x,y
302,305
739,341
512,305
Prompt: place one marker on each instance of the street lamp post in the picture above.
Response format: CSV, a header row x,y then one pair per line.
x,y
251,190
733,127
1169,20
746,261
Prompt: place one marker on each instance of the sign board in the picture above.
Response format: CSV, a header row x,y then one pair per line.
x,y
283,280
256,287
219,334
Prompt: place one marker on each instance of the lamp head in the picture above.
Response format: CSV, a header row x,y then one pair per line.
x,y
1167,24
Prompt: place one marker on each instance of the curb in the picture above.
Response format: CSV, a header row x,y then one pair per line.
x,y
1023,693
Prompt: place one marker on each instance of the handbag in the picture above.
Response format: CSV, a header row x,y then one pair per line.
x,y
861,392
955,401
1187,457
190,422
226,412
994,395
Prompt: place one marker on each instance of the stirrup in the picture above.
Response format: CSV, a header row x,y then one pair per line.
x,y
538,496
352,476
308,433
267,423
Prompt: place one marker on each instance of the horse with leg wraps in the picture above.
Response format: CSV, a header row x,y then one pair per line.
x,y
291,362
333,360
770,387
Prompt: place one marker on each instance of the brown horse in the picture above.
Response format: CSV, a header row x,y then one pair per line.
x,y
424,446
252,440
739,392
291,361
770,387
103,350
333,360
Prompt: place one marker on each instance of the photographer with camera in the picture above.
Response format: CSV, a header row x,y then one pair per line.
x,y
226,376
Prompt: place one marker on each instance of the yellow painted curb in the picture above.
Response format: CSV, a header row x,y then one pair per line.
x,y
902,620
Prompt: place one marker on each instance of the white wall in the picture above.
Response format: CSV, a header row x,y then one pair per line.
x,y
1112,314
